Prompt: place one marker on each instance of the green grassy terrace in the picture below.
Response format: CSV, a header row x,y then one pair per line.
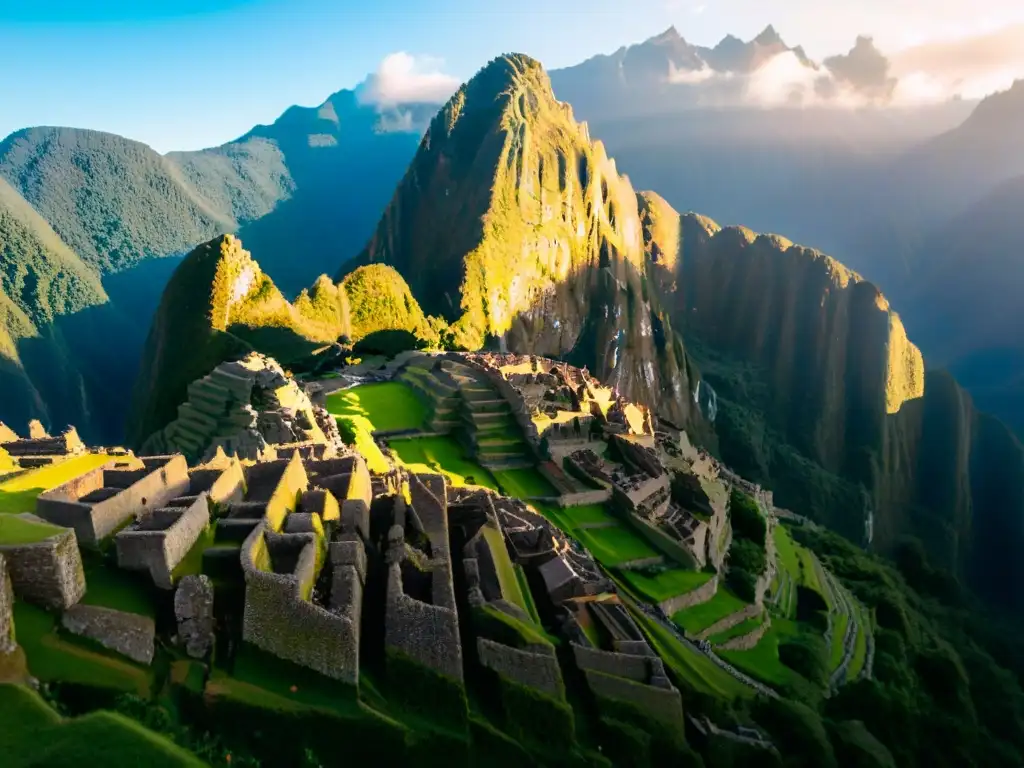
x,y
697,618
665,584
34,734
17,530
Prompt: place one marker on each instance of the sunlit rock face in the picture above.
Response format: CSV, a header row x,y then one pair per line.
x,y
519,230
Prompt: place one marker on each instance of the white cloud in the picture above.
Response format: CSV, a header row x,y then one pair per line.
x,y
402,78
681,75
971,66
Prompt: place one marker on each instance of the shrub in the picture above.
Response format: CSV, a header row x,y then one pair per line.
x,y
806,654
388,343
746,518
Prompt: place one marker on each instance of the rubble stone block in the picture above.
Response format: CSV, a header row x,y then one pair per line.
x,y
126,633
193,608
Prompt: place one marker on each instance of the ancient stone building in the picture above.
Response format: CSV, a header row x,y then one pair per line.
x,y
421,619
624,667
100,501
40,449
282,558
159,539
492,588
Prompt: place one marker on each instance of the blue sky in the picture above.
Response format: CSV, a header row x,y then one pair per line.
x,y
194,73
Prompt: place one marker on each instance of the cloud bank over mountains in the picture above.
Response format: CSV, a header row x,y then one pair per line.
x,y
766,72
763,72
402,78
972,66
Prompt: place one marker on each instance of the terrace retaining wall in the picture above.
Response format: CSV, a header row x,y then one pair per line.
x,y
48,572
696,596
7,643
535,667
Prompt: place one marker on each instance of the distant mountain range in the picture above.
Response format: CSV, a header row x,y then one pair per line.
x,y
897,192
748,132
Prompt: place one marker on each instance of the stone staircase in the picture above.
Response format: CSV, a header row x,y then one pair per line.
x,y
216,407
439,391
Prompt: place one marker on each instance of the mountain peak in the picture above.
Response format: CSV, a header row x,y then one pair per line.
x,y
768,36
670,35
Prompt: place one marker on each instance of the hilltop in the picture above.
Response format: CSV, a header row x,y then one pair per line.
x,y
518,230
220,304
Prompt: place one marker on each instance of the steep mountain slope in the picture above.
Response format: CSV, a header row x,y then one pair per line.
x,y
52,308
965,300
116,201
832,405
303,190
516,228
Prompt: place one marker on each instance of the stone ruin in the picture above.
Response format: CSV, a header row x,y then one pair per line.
x,y
99,502
249,408
300,532
485,558
7,644
159,539
39,449
421,620
623,667
48,571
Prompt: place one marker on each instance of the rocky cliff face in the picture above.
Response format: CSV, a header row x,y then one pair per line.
x,y
845,388
518,229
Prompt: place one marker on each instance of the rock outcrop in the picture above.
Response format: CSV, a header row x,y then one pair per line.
x,y
193,609
518,229
244,408
129,634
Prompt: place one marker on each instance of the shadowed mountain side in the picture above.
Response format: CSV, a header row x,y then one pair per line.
x,y
59,335
834,398
346,159
518,230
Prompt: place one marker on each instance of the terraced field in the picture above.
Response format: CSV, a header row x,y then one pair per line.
x,y
697,618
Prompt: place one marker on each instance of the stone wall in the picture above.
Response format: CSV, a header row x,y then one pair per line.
x,y
661,541
696,596
428,634
731,621
159,545
166,478
630,666
129,634
663,704
7,643
222,485
535,667
279,619
48,572
747,641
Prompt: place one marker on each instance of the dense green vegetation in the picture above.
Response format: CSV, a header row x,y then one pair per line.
x,y
116,201
32,733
